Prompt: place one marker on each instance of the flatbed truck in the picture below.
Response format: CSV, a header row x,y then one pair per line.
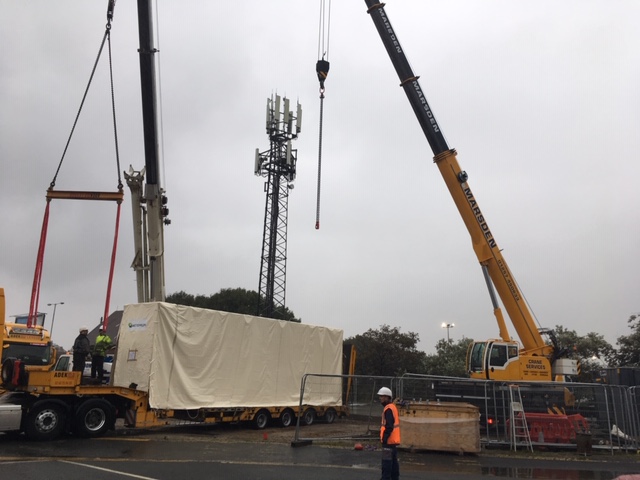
x,y
47,404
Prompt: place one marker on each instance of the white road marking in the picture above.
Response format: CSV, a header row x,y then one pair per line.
x,y
109,470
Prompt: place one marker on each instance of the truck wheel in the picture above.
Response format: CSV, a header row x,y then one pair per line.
x,y
7,371
330,416
309,416
286,418
261,420
45,421
93,418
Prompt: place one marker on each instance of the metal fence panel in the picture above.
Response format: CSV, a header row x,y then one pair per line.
x,y
608,415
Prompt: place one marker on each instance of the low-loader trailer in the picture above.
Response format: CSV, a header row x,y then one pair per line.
x,y
182,363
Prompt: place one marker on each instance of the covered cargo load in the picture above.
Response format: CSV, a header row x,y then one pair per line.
x,y
188,358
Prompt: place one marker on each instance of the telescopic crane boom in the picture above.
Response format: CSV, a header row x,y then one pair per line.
x,y
150,209
502,358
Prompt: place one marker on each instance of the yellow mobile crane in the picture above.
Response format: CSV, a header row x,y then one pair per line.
x,y
502,358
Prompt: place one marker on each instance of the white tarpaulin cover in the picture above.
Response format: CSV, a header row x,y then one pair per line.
x,y
188,357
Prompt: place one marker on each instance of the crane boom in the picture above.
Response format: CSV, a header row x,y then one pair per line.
x,y
154,199
494,265
408,81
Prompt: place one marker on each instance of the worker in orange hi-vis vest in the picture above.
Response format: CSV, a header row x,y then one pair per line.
x,y
389,436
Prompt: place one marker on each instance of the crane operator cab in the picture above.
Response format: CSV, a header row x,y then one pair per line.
x,y
500,360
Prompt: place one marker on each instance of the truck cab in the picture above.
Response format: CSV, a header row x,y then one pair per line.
x,y
30,345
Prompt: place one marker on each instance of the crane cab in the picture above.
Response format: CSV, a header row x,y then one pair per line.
x,y
500,360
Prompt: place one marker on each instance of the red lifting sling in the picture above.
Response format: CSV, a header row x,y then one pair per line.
x,y
82,195
73,195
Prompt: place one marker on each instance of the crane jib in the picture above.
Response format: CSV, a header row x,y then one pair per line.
x,y
497,272
408,81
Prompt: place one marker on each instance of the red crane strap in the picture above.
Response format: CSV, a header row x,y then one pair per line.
x,y
105,320
37,277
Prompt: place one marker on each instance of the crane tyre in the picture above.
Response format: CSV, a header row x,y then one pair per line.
x,y
45,421
93,418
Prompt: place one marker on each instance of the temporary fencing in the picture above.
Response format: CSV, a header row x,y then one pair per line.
x,y
559,415
358,393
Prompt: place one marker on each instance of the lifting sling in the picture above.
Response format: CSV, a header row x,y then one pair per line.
x,y
82,195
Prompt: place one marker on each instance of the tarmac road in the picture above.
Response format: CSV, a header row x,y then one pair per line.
x,y
204,454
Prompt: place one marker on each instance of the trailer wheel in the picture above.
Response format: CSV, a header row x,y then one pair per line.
x,y
330,415
45,421
93,418
261,420
309,416
286,418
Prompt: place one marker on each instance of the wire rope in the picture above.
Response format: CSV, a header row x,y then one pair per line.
x,y
322,70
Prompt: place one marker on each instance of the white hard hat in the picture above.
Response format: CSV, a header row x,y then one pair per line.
x,y
84,329
385,391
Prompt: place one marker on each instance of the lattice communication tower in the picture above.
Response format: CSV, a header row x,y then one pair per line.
x,y
278,166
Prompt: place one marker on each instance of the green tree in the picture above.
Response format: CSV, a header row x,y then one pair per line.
x,y
387,352
236,300
629,345
590,349
449,359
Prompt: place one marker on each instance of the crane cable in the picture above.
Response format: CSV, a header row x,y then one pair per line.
x,y
105,39
322,70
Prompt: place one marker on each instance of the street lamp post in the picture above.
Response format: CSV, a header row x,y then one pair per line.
x,y
448,326
53,317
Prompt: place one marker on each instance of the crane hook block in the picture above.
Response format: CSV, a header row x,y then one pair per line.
x,y
322,69
110,8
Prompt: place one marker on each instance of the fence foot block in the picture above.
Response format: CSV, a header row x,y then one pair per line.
x,y
301,443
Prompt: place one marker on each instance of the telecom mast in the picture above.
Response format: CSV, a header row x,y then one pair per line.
x,y
278,165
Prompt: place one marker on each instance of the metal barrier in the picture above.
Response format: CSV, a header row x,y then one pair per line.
x,y
634,402
605,416
359,399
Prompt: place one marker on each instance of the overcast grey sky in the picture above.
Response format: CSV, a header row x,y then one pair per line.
x,y
539,98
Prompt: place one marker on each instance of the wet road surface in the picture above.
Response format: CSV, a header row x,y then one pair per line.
x,y
197,455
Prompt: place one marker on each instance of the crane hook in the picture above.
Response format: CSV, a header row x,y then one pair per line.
x,y
322,69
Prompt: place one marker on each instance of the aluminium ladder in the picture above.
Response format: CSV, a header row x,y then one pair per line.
x,y
518,429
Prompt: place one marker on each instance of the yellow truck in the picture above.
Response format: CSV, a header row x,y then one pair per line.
x,y
24,345
32,345
182,363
